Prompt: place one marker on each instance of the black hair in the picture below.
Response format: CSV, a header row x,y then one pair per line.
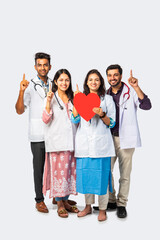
x,y
101,90
69,91
114,66
42,55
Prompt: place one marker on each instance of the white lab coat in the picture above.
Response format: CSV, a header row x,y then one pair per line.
x,y
128,125
60,131
94,139
35,103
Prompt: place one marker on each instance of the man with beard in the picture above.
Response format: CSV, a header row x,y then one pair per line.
x,y
125,134
32,95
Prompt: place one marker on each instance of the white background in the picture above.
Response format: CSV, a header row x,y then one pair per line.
x,y
79,35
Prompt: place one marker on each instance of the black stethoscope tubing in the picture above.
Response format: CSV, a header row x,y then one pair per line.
x,y
35,84
61,107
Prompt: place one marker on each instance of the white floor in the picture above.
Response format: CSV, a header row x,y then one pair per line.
x,y
20,220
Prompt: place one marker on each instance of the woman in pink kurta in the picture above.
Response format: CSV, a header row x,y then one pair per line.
x,y
60,164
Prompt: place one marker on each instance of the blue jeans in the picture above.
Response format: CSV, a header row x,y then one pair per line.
x,y
62,198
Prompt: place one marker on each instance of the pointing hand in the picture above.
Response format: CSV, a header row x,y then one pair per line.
x,y
50,94
133,81
24,84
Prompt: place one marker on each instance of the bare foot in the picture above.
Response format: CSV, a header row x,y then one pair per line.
x,y
87,210
102,215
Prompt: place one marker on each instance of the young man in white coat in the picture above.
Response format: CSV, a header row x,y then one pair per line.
x,y
125,134
32,95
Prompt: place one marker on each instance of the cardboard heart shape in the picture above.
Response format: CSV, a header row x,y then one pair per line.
x,y
84,104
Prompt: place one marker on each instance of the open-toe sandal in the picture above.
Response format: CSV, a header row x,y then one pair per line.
x,y
83,213
72,209
62,213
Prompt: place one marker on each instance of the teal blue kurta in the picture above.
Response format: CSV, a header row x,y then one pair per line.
x,y
93,175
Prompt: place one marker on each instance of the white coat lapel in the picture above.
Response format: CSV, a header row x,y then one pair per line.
x,y
122,103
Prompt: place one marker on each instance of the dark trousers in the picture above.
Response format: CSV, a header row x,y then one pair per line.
x,y
38,151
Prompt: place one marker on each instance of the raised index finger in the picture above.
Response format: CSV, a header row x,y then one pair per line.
x,y
131,74
23,76
50,88
77,88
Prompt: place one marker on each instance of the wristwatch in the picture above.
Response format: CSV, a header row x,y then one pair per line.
x,y
104,114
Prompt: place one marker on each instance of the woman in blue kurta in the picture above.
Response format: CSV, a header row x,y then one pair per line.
x,y
94,147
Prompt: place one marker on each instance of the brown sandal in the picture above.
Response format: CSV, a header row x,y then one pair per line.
x,y
72,209
62,212
83,213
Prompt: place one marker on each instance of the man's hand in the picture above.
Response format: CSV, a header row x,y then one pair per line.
x,y
50,94
133,81
98,111
24,84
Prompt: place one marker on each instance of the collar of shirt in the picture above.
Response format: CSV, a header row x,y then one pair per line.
x,y
45,86
119,90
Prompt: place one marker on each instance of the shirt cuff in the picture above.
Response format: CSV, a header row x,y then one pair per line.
x,y
112,123
75,119
50,113
141,100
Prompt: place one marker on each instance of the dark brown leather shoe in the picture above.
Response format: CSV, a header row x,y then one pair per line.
x,y
71,202
41,207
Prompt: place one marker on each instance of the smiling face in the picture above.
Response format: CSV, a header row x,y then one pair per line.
x,y
42,67
93,82
114,77
63,82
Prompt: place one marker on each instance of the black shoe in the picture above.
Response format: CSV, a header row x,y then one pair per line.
x,y
96,208
121,212
110,206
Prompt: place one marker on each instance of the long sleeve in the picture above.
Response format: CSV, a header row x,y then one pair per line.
x,y
145,103
111,112
46,117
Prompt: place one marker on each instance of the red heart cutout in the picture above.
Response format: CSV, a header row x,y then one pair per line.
x,y
84,104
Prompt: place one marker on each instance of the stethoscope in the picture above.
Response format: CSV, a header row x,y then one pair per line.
x,y
125,94
61,107
43,94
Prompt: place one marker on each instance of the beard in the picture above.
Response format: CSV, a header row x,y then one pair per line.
x,y
116,83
